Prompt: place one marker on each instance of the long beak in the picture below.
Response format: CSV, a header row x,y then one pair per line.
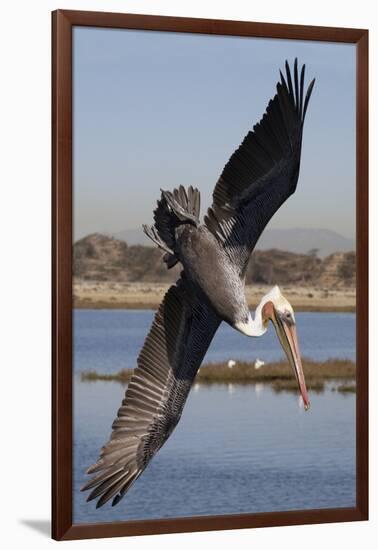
x,y
287,334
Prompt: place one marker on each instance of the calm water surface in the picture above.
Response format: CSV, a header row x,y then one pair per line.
x,y
237,449
110,340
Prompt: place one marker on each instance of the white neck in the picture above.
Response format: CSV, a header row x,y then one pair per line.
x,y
255,327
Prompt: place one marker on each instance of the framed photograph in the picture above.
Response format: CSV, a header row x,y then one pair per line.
x,y
210,272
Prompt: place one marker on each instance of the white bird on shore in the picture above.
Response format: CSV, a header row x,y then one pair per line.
x,y
259,363
231,363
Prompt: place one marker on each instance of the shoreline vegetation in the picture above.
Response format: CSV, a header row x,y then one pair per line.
x,y
127,295
278,374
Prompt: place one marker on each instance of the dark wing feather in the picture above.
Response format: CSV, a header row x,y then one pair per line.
x,y
263,172
167,364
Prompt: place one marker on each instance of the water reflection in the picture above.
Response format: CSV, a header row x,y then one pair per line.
x,y
237,449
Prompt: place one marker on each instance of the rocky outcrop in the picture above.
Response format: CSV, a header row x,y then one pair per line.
x,y
101,258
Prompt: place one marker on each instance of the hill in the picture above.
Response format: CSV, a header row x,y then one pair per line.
x,y
102,258
299,240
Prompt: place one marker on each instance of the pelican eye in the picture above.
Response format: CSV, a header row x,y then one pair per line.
x,y
287,317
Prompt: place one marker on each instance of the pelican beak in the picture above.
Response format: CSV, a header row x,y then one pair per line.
x,y
287,334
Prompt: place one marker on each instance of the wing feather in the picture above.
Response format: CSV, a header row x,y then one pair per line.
x,y
167,364
263,172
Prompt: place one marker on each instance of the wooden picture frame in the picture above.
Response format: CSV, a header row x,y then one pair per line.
x,y
62,25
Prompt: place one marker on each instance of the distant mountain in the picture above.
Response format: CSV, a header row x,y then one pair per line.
x,y
302,240
299,240
102,258
133,236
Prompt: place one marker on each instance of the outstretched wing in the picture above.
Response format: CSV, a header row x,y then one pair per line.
x,y
262,173
167,364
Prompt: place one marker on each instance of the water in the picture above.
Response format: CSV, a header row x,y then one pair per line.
x,y
237,449
110,340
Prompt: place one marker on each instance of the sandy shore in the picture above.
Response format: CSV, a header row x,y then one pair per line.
x,y
109,295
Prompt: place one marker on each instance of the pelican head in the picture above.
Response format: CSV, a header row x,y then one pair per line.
x,y
277,309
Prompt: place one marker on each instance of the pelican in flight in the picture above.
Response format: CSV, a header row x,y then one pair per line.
x,y
258,178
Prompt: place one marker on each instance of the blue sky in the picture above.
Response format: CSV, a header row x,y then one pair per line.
x,y
155,110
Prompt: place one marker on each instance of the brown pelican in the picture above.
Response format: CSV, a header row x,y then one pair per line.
x,y
260,175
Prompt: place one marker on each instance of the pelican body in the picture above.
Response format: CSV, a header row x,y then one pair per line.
x,y
258,178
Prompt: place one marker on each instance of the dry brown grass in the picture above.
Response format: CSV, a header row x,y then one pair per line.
x,y
123,376
280,370
278,374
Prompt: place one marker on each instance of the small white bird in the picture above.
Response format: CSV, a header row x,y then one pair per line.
x,y
231,363
259,363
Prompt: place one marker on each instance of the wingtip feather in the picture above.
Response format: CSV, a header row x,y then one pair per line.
x,y
307,98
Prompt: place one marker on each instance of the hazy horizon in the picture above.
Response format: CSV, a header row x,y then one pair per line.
x,y
270,227
297,239
155,109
